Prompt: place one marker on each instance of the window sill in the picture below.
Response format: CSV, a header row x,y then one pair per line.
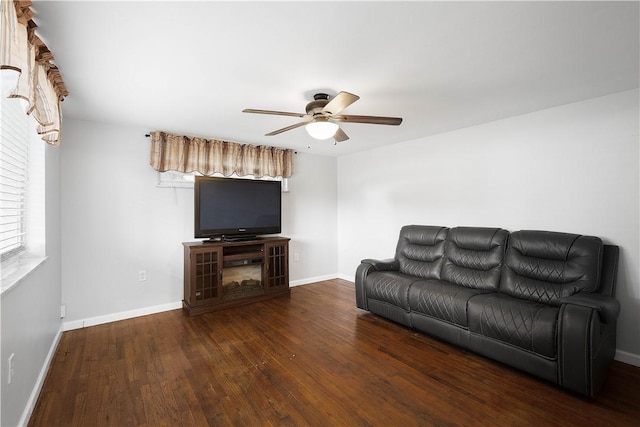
x,y
13,275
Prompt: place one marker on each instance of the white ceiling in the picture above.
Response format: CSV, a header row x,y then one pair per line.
x,y
191,67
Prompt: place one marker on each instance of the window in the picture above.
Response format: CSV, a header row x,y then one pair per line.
x,y
22,209
175,179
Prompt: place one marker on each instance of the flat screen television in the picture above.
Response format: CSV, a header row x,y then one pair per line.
x,y
236,209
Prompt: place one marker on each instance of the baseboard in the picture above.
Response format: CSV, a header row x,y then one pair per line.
x,y
628,358
321,278
33,398
123,315
312,280
347,277
114,317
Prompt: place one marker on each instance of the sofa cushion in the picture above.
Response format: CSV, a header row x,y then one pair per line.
x,y
391,287
420,249
473,257
545,266
521,323
441,300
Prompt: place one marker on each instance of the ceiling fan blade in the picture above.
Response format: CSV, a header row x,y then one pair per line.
x,y
340,102
275,113
374,120
297,125
340,135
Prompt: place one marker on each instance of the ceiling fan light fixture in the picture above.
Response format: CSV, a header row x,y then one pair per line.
x,y
321,128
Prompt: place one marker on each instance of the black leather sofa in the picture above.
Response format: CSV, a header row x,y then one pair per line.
x,y
538,301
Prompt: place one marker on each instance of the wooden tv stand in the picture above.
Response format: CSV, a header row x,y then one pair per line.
x,y
220,275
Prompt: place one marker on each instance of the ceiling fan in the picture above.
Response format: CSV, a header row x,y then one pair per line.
x,y
323,115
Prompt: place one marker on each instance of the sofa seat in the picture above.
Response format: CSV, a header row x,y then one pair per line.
x,y
441,300
525,324
391,287
389,295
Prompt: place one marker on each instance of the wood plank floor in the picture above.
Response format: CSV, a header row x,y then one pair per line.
x,y
311,359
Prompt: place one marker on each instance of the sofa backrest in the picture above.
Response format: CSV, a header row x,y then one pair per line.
x,y
473,257
546,266
420,250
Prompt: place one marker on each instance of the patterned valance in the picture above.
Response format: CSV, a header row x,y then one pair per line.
x,y
209,156
28,64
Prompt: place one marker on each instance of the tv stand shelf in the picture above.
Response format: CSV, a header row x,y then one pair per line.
x,y
224,274
242,256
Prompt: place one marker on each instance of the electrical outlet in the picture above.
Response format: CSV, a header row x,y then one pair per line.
x,y
142,275
296,256
11,367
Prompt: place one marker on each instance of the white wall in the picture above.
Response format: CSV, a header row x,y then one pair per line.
x,y
573,168
116,221
31,311
310,215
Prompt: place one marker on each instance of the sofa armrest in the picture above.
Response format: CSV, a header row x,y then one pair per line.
x,y
608,308
367,266
587,325
389,264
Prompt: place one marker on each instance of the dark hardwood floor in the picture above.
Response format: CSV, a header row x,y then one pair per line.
x,y
311,359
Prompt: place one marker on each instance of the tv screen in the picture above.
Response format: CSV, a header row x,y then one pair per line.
x,y
236,208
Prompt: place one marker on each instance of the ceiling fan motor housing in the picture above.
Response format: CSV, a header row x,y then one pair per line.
x,y
315,107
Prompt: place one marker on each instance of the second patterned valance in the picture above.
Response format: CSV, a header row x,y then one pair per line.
x,y
208,156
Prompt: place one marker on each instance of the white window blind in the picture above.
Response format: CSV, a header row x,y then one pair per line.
x,y
13,177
